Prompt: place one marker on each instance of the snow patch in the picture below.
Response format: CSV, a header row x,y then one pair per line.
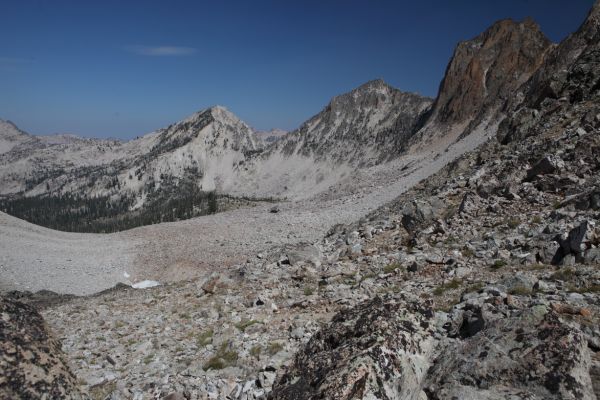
x,y
145,284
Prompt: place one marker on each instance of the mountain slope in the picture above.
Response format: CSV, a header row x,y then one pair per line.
x,y
482,75
478,282
569,80
361,127
86,184
11,136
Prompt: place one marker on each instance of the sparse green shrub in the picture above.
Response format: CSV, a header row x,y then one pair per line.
x,y
475,287
537,267
204,338
453,284
467,252
585,289
148,359
388,269
274,348
520,291
223,358
255,351
563,274
308,291
499,264
370,275
245,324
513,222
101,391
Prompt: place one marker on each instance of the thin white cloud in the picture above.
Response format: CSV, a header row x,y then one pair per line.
x,y
161,51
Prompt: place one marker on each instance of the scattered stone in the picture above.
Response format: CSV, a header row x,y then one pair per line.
x,y
547,165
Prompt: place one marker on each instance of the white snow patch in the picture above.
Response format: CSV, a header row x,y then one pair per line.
x,y
145,284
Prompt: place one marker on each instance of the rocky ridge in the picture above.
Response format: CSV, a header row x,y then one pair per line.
x,y
374,121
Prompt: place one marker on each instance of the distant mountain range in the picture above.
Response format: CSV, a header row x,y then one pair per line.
x,y
214,151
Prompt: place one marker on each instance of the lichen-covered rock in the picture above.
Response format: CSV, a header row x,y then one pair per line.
x,y
32,365
531,355
490,346
380,349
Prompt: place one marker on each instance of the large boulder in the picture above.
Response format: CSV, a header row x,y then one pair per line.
x,y
547,165
530,355
377,350
490,346
576,242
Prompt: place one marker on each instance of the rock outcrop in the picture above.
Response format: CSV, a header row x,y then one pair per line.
x,y
376,350
32,364
487,347
569,78
485,71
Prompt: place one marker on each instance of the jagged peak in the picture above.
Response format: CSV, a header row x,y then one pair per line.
x,y
221,112
365,93
8,122
595,12
373,84
475,76
216,112
499,31
591,25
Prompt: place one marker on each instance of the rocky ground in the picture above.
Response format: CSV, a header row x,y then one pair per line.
x,y
471,267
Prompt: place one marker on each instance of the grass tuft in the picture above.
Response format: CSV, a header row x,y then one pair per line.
x,y
223,358
245,324
451,285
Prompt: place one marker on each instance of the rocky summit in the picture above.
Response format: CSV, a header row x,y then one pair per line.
x,y
428,249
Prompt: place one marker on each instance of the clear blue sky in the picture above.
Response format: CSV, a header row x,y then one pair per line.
x,y
125,68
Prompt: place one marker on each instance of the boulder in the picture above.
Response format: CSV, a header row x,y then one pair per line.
x,y
592,256
575,243
530,355
547,165
469,204
378,349
415,214
304,253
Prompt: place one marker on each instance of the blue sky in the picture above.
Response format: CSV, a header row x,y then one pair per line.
x,y
125,68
